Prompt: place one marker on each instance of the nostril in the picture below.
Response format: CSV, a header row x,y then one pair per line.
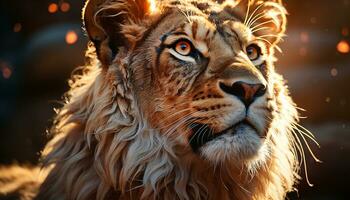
x,y
236,89
260,91
247,93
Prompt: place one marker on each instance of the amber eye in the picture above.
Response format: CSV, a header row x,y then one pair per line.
x,y
183,47
253,52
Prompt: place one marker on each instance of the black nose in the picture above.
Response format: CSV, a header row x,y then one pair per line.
x,y
246,92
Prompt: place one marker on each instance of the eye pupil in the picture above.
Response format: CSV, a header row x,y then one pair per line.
x,y
250,51
253,52
183,48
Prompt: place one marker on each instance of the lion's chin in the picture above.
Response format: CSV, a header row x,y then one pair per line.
x,y
245,144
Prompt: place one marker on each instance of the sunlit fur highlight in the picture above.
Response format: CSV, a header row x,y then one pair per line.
x,y
103,147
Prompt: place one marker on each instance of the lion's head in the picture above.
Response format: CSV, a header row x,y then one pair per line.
x,y
179,99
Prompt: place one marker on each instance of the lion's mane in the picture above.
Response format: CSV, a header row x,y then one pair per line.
x,y
103,147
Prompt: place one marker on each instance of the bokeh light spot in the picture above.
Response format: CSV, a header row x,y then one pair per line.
x,y
5,69
304,37
152,6
334,72
71,37
343,46
65,7
17,27
53,7
328,99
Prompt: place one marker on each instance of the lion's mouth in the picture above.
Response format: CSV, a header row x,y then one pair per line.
x,y
203,133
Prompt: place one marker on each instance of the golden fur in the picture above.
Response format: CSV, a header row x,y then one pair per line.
x,y
123,130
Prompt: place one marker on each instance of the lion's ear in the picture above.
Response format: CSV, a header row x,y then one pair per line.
x,y
266,19
103,20
272,24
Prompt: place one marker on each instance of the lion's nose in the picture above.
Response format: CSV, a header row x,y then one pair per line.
x,y
246,92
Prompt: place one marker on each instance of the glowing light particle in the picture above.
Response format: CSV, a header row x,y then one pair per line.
x,y
5,69
65,7
152,6
328,99
304,37
6,72
334,72
53,7
71,37
17,27
343,46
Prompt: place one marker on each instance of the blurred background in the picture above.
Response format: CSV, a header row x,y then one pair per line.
x,y
41,42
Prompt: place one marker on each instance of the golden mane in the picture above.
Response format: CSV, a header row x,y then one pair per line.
x,y
103,147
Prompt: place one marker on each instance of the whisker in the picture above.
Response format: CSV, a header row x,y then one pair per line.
x,y
312,135
296,148
177,124
299,108
303,158
269,36
265,40
259,29
307,145
256,18
252,14
172,115
261,24
181,122
247,13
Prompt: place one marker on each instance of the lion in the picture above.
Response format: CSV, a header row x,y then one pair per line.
x,y
179,99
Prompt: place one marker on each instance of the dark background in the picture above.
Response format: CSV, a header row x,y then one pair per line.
x,y
36,60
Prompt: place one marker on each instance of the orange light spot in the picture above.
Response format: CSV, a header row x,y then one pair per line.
x,y
53,7
17,27
328,99
71,37
304,37
345,31
152,6
6,72
334,72
65,7
343,46
5,69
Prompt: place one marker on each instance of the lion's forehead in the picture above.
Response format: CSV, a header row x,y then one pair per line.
x,y
200,20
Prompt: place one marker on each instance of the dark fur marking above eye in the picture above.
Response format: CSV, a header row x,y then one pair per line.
x,y
213,16
202,6
194,29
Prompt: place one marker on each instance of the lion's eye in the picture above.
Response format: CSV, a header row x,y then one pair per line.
x,y
183,47
253,52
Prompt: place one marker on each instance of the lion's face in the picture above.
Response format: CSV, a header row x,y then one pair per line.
x,y
206,83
